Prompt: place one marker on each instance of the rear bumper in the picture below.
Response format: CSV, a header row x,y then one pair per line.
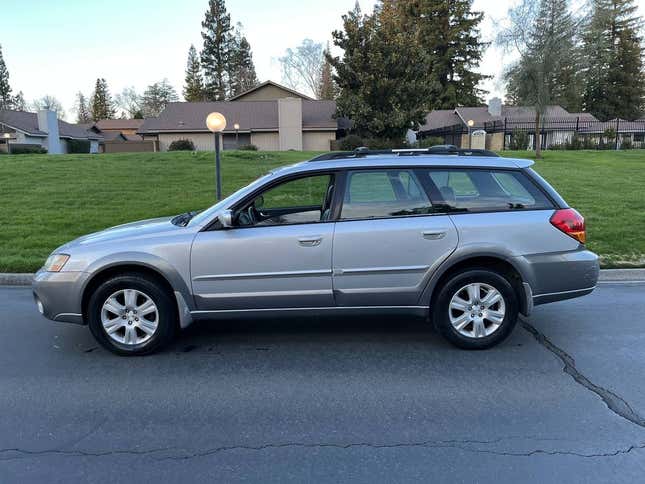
x,y
561,275
58,295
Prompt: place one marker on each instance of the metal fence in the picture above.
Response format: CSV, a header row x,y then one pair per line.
x,y
555,133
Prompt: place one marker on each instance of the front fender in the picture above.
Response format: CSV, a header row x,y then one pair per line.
x,y
148,261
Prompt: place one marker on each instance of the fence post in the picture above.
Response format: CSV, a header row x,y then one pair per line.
x,y
617,126
504,136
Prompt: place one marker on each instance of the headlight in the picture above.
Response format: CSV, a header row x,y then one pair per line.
x,y
55,262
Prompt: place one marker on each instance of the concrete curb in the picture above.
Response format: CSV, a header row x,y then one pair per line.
x,y
15,279
622,275
606,276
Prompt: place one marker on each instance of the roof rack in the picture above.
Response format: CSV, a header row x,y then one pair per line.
x,y
446,150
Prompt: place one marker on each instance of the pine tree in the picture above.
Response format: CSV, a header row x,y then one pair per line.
x,y
327,88
216,32
194,81
19,103
101,106
448,42
6,100
615,84
380,88
241,69
83,115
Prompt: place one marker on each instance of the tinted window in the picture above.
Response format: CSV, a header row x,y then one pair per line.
x,y
384,193
484,190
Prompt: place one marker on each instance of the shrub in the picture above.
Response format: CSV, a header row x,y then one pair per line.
x,y
519,140
384,144
349,143
182,145
430,142
626,144
28,150
78,146
248,147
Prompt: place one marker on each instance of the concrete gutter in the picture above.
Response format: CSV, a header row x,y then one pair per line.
x,y
607,276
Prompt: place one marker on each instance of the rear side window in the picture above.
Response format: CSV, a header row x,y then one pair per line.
x,y
481,190
384,193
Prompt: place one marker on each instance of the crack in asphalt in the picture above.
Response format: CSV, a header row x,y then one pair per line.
x,y
615,403
441,444
460,445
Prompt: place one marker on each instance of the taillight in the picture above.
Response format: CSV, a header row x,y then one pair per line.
x,y
571,223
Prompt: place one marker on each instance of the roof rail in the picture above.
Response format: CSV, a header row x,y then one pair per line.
x,y
362,152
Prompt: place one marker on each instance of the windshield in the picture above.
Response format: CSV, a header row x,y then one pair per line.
x,y
209,213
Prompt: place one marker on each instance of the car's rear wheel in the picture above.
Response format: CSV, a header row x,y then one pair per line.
x,y
475,309
132,315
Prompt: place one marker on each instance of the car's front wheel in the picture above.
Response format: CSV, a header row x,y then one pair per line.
x,y
476,309
132,315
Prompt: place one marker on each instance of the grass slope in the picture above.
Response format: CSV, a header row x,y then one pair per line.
x,y
46,200
608,189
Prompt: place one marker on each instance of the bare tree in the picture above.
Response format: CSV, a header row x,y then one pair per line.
x,y
302,66
129,102
50,103
541,33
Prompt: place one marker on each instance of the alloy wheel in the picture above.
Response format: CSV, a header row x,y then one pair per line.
x,y
477,310
130,317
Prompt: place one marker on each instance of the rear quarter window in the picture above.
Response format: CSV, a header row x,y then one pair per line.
x,y
483,190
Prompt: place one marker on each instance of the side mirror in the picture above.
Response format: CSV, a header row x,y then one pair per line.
x,y
225,218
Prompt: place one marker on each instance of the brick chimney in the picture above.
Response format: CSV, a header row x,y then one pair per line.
x,y
48,123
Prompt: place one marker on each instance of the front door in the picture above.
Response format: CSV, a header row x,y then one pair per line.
x,y
387,241
277,255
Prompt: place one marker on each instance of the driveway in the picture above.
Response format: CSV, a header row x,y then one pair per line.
x,y
331,400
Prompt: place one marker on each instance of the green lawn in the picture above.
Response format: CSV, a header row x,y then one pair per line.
x,y
46,200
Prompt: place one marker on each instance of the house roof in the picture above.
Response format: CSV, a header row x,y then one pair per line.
x,y
274,84
623,125
22,121
250,115
118,124
442,119
28,123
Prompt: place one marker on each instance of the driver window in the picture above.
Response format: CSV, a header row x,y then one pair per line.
x,y
303,200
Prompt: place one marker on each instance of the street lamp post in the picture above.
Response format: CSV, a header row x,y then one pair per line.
x,y
470,124
236,126
216,123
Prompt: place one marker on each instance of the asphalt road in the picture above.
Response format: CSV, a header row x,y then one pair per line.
x,y
329,401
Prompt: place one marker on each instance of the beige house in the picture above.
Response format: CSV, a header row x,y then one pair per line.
x,y
269,116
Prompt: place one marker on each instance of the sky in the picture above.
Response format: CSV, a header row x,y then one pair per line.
x,y
60,47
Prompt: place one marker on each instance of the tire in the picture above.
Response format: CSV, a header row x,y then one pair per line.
x,y
486,329
112,325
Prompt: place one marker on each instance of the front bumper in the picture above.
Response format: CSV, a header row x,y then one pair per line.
x,y
58,295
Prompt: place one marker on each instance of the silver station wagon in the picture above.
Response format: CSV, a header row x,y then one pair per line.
x,y
466,239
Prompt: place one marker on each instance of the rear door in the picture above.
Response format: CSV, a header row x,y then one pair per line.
x,y
388,239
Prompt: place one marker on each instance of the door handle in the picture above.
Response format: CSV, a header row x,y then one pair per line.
x,y
433,234
310,241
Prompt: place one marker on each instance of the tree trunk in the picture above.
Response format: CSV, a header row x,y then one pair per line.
x,y
538,135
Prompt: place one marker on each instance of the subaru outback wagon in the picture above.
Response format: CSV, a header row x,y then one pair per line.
x,y
466,239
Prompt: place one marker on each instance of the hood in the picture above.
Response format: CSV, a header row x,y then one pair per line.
x,y
133,230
